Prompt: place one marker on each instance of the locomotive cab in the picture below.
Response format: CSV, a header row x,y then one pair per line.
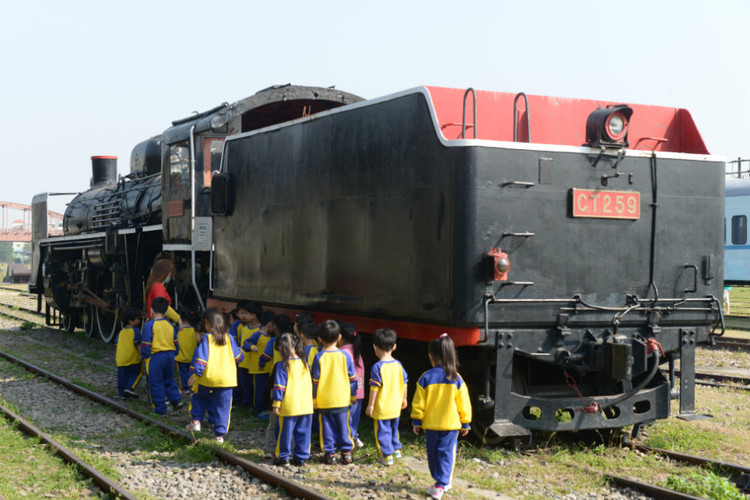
x,y
191,153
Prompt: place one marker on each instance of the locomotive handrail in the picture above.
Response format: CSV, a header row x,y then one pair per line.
x,y
695,278
463,124
519,235
515,117
491,299
518,183
193,196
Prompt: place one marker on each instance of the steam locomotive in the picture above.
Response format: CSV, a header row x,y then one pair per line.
x,y
566,264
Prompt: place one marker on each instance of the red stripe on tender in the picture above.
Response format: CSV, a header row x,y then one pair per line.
x,y
406,330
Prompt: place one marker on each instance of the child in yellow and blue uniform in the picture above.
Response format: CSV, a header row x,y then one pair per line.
x,y
127,357
307,330
261,375
187,340
442,408
248,314
387,395
271,356
214,375
292,402
334,391
270,353
158,348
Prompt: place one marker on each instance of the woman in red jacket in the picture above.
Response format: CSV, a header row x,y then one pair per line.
x,y
161,274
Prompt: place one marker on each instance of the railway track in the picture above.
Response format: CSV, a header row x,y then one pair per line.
x,y
717,380
732,344
731,469
292,487
656,491
102,480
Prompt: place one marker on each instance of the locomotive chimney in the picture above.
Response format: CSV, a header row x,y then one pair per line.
x,y
103,170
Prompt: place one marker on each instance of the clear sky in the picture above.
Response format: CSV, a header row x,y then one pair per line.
x,y
83,78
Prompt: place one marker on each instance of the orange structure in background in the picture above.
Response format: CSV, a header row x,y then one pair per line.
x,y
19,228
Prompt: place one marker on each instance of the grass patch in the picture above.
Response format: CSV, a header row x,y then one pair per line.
x,y
153,439
198,452
704,484
672,435
739,300
31,471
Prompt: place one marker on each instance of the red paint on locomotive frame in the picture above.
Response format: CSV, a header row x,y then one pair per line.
x,y
560,121
405,330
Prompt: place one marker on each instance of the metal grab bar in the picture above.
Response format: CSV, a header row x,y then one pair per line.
x,y
515,118
463,124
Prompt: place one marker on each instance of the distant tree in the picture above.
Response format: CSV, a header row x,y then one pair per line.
x,y
6,251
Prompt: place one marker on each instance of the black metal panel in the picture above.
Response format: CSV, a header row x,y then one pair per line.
x,y
349,212
602,260
365,211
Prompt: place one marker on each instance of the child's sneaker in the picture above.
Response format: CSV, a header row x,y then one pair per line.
x,y
359,444
220,439
397,454
262,415
281,462
331,459
435,492
386,460
130,394
346,458
298,463
176,405
268,455
194,426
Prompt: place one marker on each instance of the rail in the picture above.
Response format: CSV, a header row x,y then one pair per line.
x,y
98,477
294,488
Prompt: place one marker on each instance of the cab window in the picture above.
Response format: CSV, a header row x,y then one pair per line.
x,y
212,147
179,165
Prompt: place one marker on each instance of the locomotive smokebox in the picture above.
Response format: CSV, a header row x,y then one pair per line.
x,y
103,170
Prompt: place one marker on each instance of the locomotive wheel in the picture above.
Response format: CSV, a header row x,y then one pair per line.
x,y
107,325
68,322
89,320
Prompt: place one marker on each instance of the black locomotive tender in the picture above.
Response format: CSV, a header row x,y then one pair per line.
x,y
558,266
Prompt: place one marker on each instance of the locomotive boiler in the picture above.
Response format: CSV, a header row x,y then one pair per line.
x,y
569,248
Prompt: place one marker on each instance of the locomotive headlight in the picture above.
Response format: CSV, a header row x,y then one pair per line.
x,y
498,265
502,265
615,125
609,126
